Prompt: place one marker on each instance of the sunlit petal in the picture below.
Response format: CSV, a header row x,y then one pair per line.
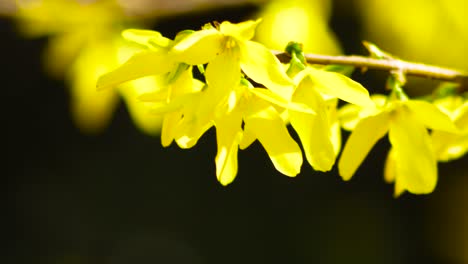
x,y
228,136
270,130
139,65
416,166
223,74
169,126
199,47
340,86
271,97
429,115
148,38
185,85
390,173
350,114
197,119
244,30
313,130
247,139
335,125
367,132
263,67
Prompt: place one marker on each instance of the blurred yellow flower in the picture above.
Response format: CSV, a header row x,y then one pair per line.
x,y
435,32
301,21
84,42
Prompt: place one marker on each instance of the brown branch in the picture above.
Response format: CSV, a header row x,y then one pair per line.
x,y
406,67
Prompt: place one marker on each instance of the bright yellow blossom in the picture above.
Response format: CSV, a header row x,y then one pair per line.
x,y
319,133
302,21
239,112
261,121
228,49
411,162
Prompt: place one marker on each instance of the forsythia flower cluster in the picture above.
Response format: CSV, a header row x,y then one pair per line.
x,y
246,94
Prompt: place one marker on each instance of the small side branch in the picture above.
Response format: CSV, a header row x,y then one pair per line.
x,y
406,67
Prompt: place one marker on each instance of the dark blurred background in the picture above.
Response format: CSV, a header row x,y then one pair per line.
x,y
120,197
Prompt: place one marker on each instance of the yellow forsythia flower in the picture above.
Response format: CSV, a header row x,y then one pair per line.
x,y
301,21
412,162
190,108
228,50
318,89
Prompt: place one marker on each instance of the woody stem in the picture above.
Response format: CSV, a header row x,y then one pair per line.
x,y
387,64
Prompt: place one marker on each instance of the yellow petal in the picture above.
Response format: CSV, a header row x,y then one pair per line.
x,y
259,64
139,65
164,107
247,139
244,30
228,136
430,116
169,126
313,130
340,86
268,127
183,87
390,173
335,125
271,97
451,146
148,38
367,132
461,117
350,114
223,74
389,168
199,47
197,119
416,166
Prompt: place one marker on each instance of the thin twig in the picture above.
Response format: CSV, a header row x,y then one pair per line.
x,y
406,67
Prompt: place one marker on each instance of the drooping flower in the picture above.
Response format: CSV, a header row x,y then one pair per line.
x,y
256,108
319,133
411,163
